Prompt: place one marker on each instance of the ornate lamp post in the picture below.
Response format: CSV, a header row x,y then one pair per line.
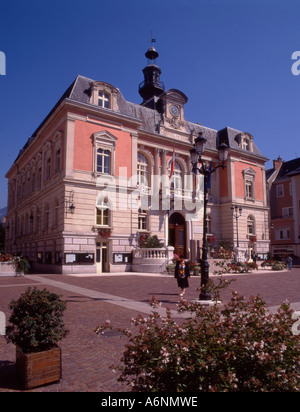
x,y
200,167
237,213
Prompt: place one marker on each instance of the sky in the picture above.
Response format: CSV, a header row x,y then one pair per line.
x,y
231,58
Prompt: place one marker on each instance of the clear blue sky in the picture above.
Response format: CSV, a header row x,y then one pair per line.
x,y
232,58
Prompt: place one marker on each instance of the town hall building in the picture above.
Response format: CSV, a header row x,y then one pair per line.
x,y
101,173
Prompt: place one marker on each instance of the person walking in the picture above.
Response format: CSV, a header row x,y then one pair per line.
x,y
289,262
182,273
254,258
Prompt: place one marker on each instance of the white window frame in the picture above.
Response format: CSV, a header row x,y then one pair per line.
x,y
104,99
280,190
283,233
251,219
249,184
105,141
287,212
103,211
143,221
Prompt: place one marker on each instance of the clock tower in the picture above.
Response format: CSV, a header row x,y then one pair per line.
x,y
151,88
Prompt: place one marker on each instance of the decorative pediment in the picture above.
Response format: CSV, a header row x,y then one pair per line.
x,y
104,137
249,172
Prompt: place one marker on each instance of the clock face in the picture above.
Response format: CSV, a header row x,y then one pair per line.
x,y
174,110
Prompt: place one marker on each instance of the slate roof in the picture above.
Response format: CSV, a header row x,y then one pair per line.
x,y
289,168
79,91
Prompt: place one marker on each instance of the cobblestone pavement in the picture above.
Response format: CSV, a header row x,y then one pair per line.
x,y
91,300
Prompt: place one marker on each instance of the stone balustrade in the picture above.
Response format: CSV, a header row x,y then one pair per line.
x,y
152,260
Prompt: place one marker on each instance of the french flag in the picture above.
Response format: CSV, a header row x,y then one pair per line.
x,y
172,163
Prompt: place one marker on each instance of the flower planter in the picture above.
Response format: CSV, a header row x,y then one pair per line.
x,y
39,368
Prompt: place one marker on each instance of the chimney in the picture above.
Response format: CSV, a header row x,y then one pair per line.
x,y
277,163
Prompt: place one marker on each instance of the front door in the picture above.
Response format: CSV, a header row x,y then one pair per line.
x,y
177,234
101,257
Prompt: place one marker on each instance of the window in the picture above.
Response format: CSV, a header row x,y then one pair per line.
x,y
103,161
287,212
246,144
56,212
208,224
249,189
250,226
58,161
37,225
102,217
142,219
142,171
46,222
39,179
104,144
282,233
48,168
33,182
103,100
249,183
177,176
280,191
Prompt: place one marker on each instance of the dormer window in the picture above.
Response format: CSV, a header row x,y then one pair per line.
x,y
245,141
246,144
103,100
104,95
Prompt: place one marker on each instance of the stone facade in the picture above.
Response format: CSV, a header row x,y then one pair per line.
x,y
95,176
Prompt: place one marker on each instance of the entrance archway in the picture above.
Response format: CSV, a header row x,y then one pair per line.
x,y
177,234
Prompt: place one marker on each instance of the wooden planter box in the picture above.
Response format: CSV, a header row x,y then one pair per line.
x,y
39,368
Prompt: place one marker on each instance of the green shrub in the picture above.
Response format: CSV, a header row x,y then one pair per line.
x,y
36,321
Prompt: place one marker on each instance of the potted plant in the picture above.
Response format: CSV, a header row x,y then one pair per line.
x,y
36,328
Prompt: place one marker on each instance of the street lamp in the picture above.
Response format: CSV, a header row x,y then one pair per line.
x,y
237,213
200,167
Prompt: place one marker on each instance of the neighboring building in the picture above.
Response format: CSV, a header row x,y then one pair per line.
x,y
284,194
84,187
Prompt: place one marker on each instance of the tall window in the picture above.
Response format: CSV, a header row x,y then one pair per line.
x,y
249,189
48,168
208,223
103,161
47,212
249,183
142,219
280,190
142,171
246,144
103,100
250,226
57,161
102,218
56,212
177,176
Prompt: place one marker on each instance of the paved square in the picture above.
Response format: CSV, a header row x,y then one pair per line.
x,y
91,300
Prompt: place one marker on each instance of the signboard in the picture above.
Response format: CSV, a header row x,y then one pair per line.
x,y
79,258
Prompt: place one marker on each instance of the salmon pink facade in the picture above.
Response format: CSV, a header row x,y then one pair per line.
x,y
95,180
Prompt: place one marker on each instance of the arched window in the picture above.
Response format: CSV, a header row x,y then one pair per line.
x,y
250,225
142,171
